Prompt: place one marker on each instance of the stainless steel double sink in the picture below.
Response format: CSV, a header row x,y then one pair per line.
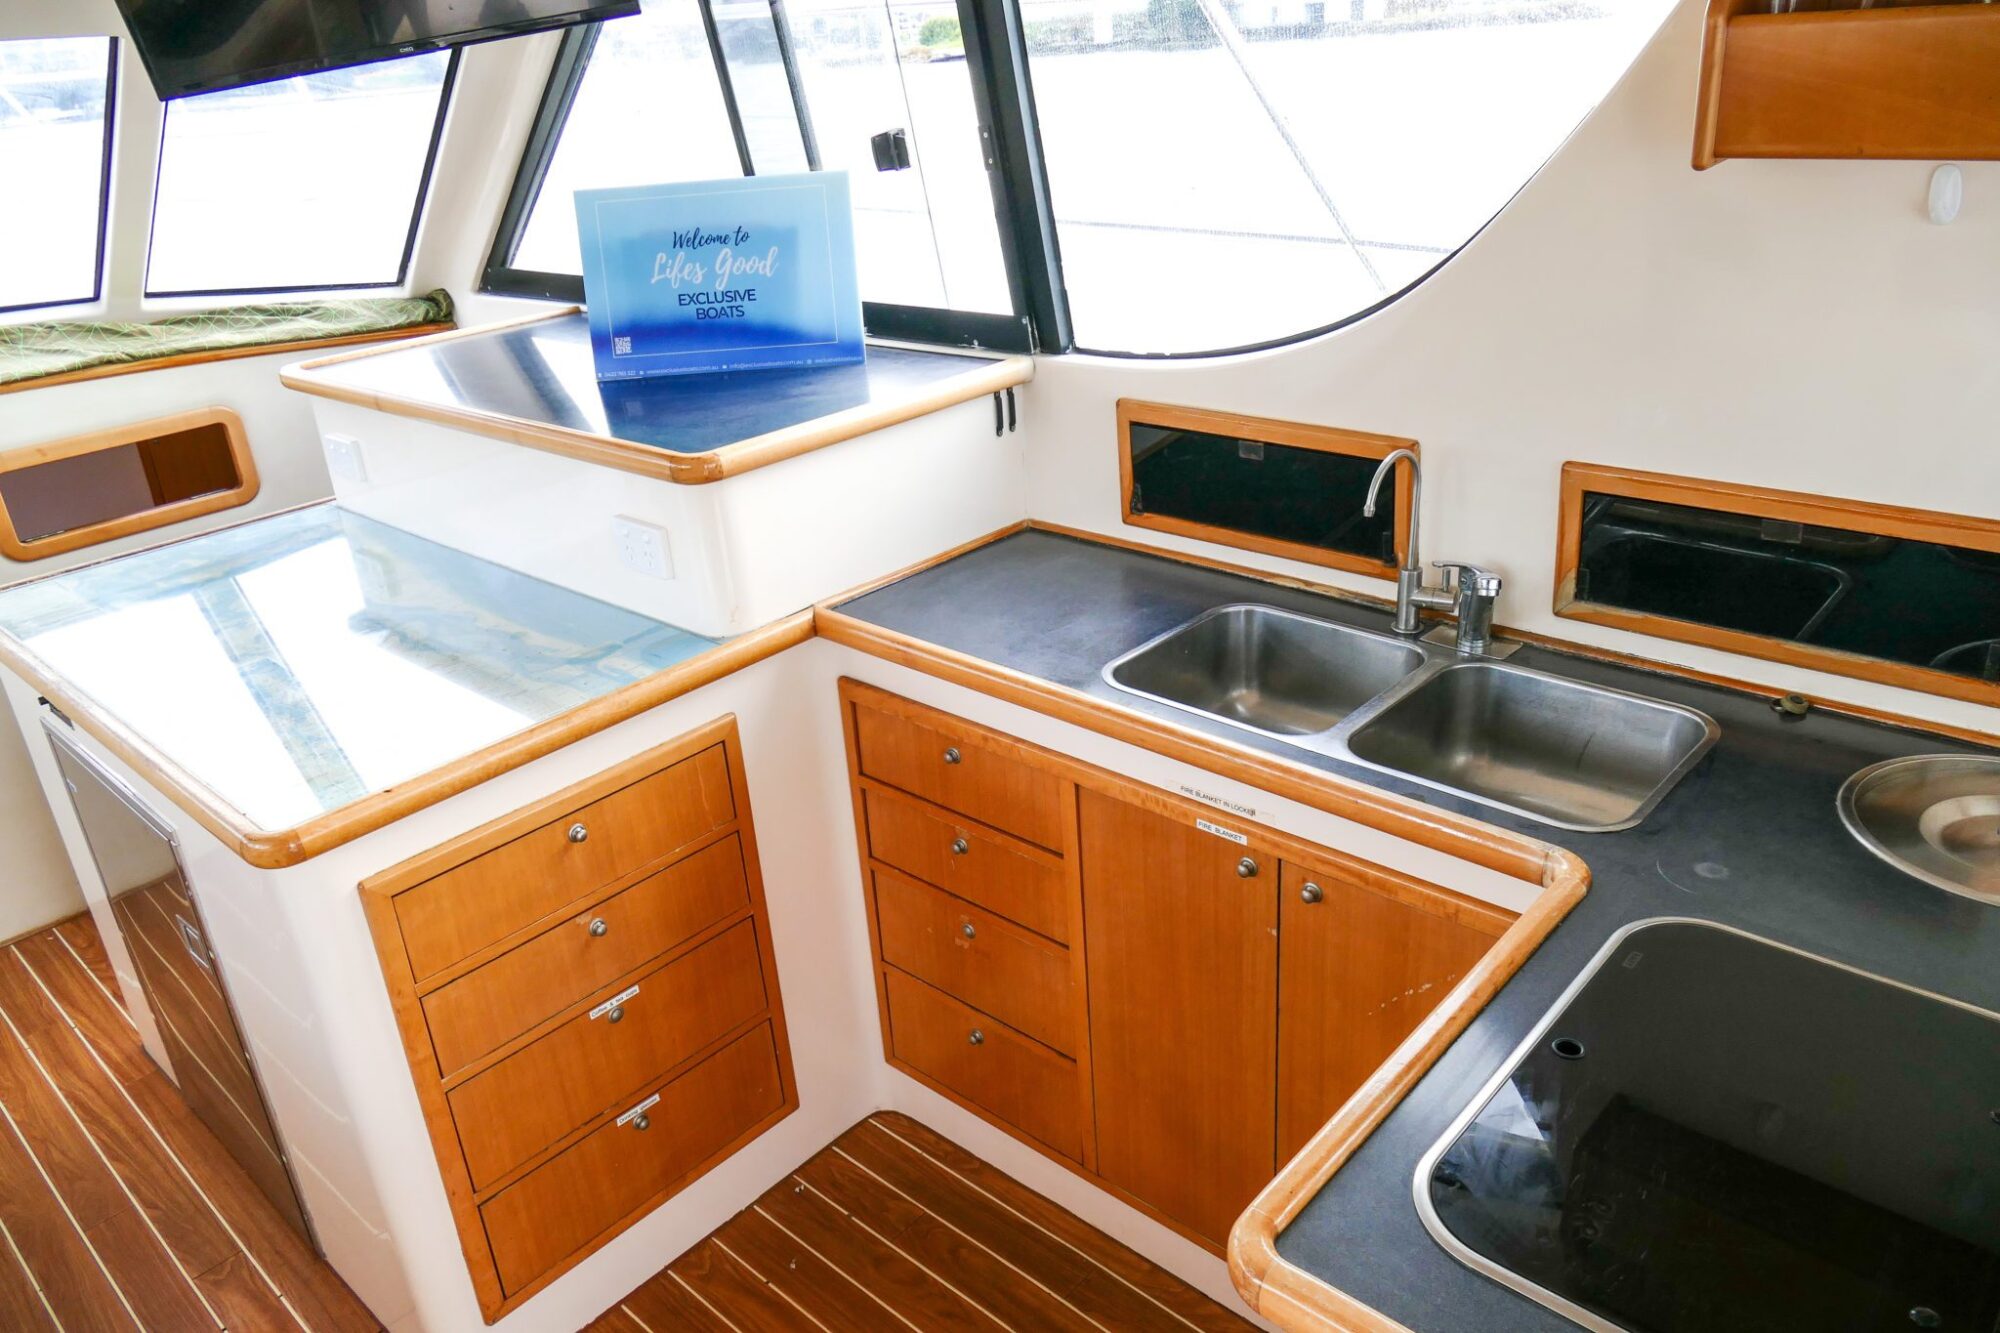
x,y
1558,751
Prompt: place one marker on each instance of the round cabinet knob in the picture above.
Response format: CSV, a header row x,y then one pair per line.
x,y
578,833
1247,867
1311,893
968,930
951,755
642,1121
616,1013
959,847
976,1037
598,926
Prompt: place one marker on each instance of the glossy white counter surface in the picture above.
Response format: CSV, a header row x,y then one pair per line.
x,y
298,663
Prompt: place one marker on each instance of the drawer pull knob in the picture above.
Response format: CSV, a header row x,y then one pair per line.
x,y
1311,893
969,931
959,847
615,1013
976,1037
578,833
951,755
598,926
642,1121
1247,867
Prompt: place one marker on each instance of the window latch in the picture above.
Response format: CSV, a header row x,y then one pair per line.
x,y
892,150
986,147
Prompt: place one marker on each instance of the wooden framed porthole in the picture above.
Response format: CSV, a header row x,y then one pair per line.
x,y
1278,487
86,489
1903,596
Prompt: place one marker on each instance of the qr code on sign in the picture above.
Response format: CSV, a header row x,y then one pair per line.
x,y
621,347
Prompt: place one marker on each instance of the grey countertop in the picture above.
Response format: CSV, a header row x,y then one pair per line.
x,y
1750,839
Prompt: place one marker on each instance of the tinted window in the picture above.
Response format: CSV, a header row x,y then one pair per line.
x,y
305,183
1221,187
55,100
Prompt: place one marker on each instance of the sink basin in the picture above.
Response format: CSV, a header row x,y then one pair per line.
x,y
1935,816
1573,755
1272,671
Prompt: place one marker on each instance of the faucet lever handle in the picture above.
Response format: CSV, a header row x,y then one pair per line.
x,y
1472,578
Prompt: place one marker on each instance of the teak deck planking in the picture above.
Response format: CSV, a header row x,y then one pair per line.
x,y
118,1208
893,1226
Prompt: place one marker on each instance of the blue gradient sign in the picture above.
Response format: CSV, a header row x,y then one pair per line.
x,y
720,275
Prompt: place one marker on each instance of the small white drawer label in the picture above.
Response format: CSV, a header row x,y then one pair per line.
x,y
1240,839
612,1003
640,1109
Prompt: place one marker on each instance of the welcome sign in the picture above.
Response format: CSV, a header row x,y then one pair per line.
x,y
720,275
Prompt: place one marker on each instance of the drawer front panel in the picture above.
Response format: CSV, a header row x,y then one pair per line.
x,y
973,955
504,998
987,871
519,882
1024,1084
572,1198
940,761
592,1065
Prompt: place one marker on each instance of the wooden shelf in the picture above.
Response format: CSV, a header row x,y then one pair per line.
x,y
1918,81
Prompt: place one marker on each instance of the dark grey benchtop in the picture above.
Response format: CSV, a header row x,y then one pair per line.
x,y
1750,839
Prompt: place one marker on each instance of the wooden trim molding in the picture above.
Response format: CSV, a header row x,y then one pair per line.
x,y
982,376
137,433
271,849
1297,435
1579,479
221,354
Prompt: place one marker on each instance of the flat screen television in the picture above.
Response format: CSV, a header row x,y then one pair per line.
x,y
200,46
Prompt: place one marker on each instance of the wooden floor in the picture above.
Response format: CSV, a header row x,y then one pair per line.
x,y
891,1227
118,1209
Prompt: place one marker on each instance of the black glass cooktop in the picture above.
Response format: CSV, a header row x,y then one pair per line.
x,y
1714,1133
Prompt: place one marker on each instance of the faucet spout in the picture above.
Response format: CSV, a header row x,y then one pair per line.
x,y
1411,561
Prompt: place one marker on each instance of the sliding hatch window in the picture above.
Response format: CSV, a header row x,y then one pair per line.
x,y
312,183
1230,173
55,168
703,89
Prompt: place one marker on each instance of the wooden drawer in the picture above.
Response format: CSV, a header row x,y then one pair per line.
x,y
975,956
596,1062
916,839
1023,1083
941,760
594,1185
518,883
496,1003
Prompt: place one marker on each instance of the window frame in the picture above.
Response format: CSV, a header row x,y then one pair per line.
x,y
103,193
418,206
998,102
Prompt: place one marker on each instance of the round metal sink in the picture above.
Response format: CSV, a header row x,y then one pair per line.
x,y
1935,816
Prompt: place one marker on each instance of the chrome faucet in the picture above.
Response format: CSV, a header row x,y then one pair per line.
x,y
1468,589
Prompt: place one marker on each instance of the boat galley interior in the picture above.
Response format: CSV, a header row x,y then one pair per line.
x,y
903,666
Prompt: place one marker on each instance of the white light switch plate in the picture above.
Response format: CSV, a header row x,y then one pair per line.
x,y
344,459
642,546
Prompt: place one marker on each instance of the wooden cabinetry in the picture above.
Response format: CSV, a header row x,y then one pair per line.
x,y
1364,954
1181,926
589,1005
1137,985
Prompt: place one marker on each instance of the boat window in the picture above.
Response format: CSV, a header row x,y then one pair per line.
x,y
55,158
312,183
1228,175
688,91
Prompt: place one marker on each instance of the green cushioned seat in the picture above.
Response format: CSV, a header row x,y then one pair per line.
x,y
59,347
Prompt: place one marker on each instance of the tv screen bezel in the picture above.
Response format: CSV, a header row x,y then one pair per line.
x,y
589,11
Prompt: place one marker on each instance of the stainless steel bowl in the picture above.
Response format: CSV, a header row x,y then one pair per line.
x,y
1935,816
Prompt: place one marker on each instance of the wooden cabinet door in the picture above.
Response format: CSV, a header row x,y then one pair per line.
x,y
1182,956
1366,955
